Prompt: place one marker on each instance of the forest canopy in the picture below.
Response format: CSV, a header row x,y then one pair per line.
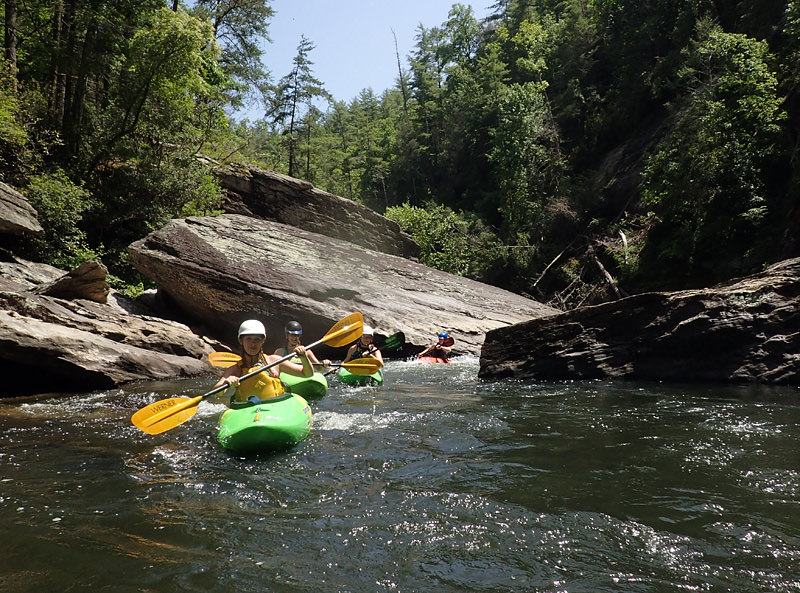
x,y
573,150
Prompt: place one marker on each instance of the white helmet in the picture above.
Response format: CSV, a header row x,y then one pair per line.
x,y
252,327
367,331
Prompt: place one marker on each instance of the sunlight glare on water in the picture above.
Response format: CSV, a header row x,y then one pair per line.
x,y
434,482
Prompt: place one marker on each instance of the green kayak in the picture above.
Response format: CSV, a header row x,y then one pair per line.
x,y
272,424
349,378
308,387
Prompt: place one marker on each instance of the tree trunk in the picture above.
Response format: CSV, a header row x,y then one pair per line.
x,y
77,107
10,35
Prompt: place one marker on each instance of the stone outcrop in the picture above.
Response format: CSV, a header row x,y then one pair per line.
x,y
50,344
17,216
265,194
87,281
223,270
745,331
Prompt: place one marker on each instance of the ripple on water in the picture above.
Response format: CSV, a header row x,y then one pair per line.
x,y
435,482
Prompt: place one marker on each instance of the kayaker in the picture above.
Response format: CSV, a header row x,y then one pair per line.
x,y
364,347
294,337
439,349
265,385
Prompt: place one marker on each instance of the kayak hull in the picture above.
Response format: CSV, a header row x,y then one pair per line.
x,y
268,426
306,387
349,378
433,359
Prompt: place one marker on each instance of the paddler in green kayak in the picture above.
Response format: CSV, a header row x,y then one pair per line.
x,y
265,385
364,347
294,337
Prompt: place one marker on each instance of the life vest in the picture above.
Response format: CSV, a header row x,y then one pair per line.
x,y
294,359
264,385
439,352
362,351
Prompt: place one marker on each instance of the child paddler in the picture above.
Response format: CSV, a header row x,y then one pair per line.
x,y
294,338
364,347
264,385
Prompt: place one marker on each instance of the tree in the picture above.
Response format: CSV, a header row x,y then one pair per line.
x,y
10,34
240,26
292,100
706,180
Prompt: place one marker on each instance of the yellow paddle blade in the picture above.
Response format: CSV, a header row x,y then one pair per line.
x,y
363,366
165,414
347,330
223,359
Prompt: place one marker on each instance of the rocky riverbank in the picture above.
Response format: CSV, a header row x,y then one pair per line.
x,y
295,253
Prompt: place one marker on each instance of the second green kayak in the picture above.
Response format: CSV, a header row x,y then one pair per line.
x,y
308,387
349,378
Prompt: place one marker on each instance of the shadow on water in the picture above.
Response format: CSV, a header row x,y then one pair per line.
x,y
434,482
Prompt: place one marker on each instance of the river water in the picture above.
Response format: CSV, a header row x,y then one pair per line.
x,y
434,482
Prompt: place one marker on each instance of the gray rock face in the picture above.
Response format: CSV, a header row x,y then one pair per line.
x,y
225,269
87,281
50,344
741,332
280,198
17,216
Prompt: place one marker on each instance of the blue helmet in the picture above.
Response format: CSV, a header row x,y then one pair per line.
x,y
443,335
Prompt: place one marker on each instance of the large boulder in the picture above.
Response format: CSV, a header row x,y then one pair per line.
x,y
265,194
17,216
87,281
746,331
50,344
220,271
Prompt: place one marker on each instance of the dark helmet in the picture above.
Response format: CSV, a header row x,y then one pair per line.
x,y
294,327
443,335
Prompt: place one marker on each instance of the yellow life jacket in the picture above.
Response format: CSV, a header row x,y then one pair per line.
x,y
263,385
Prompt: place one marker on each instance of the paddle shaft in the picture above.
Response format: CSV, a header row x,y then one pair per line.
x,y
345,364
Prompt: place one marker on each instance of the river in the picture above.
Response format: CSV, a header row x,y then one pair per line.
x,y
436,482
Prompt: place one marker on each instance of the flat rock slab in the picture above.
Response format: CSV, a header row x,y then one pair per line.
x,y
746,331
17,215
50,344
225,269
269,195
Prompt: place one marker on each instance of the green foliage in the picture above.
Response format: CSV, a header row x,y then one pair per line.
x,y
240,28
132,201
14,138
291,109
705,179
450,242
60,205
531,125
130,290
12,134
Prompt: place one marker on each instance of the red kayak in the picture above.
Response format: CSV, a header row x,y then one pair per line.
x,y
433,359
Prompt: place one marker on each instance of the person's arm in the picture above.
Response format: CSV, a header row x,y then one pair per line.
x,y
230,376
349,354
316,362
300,370
427,350
376,354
